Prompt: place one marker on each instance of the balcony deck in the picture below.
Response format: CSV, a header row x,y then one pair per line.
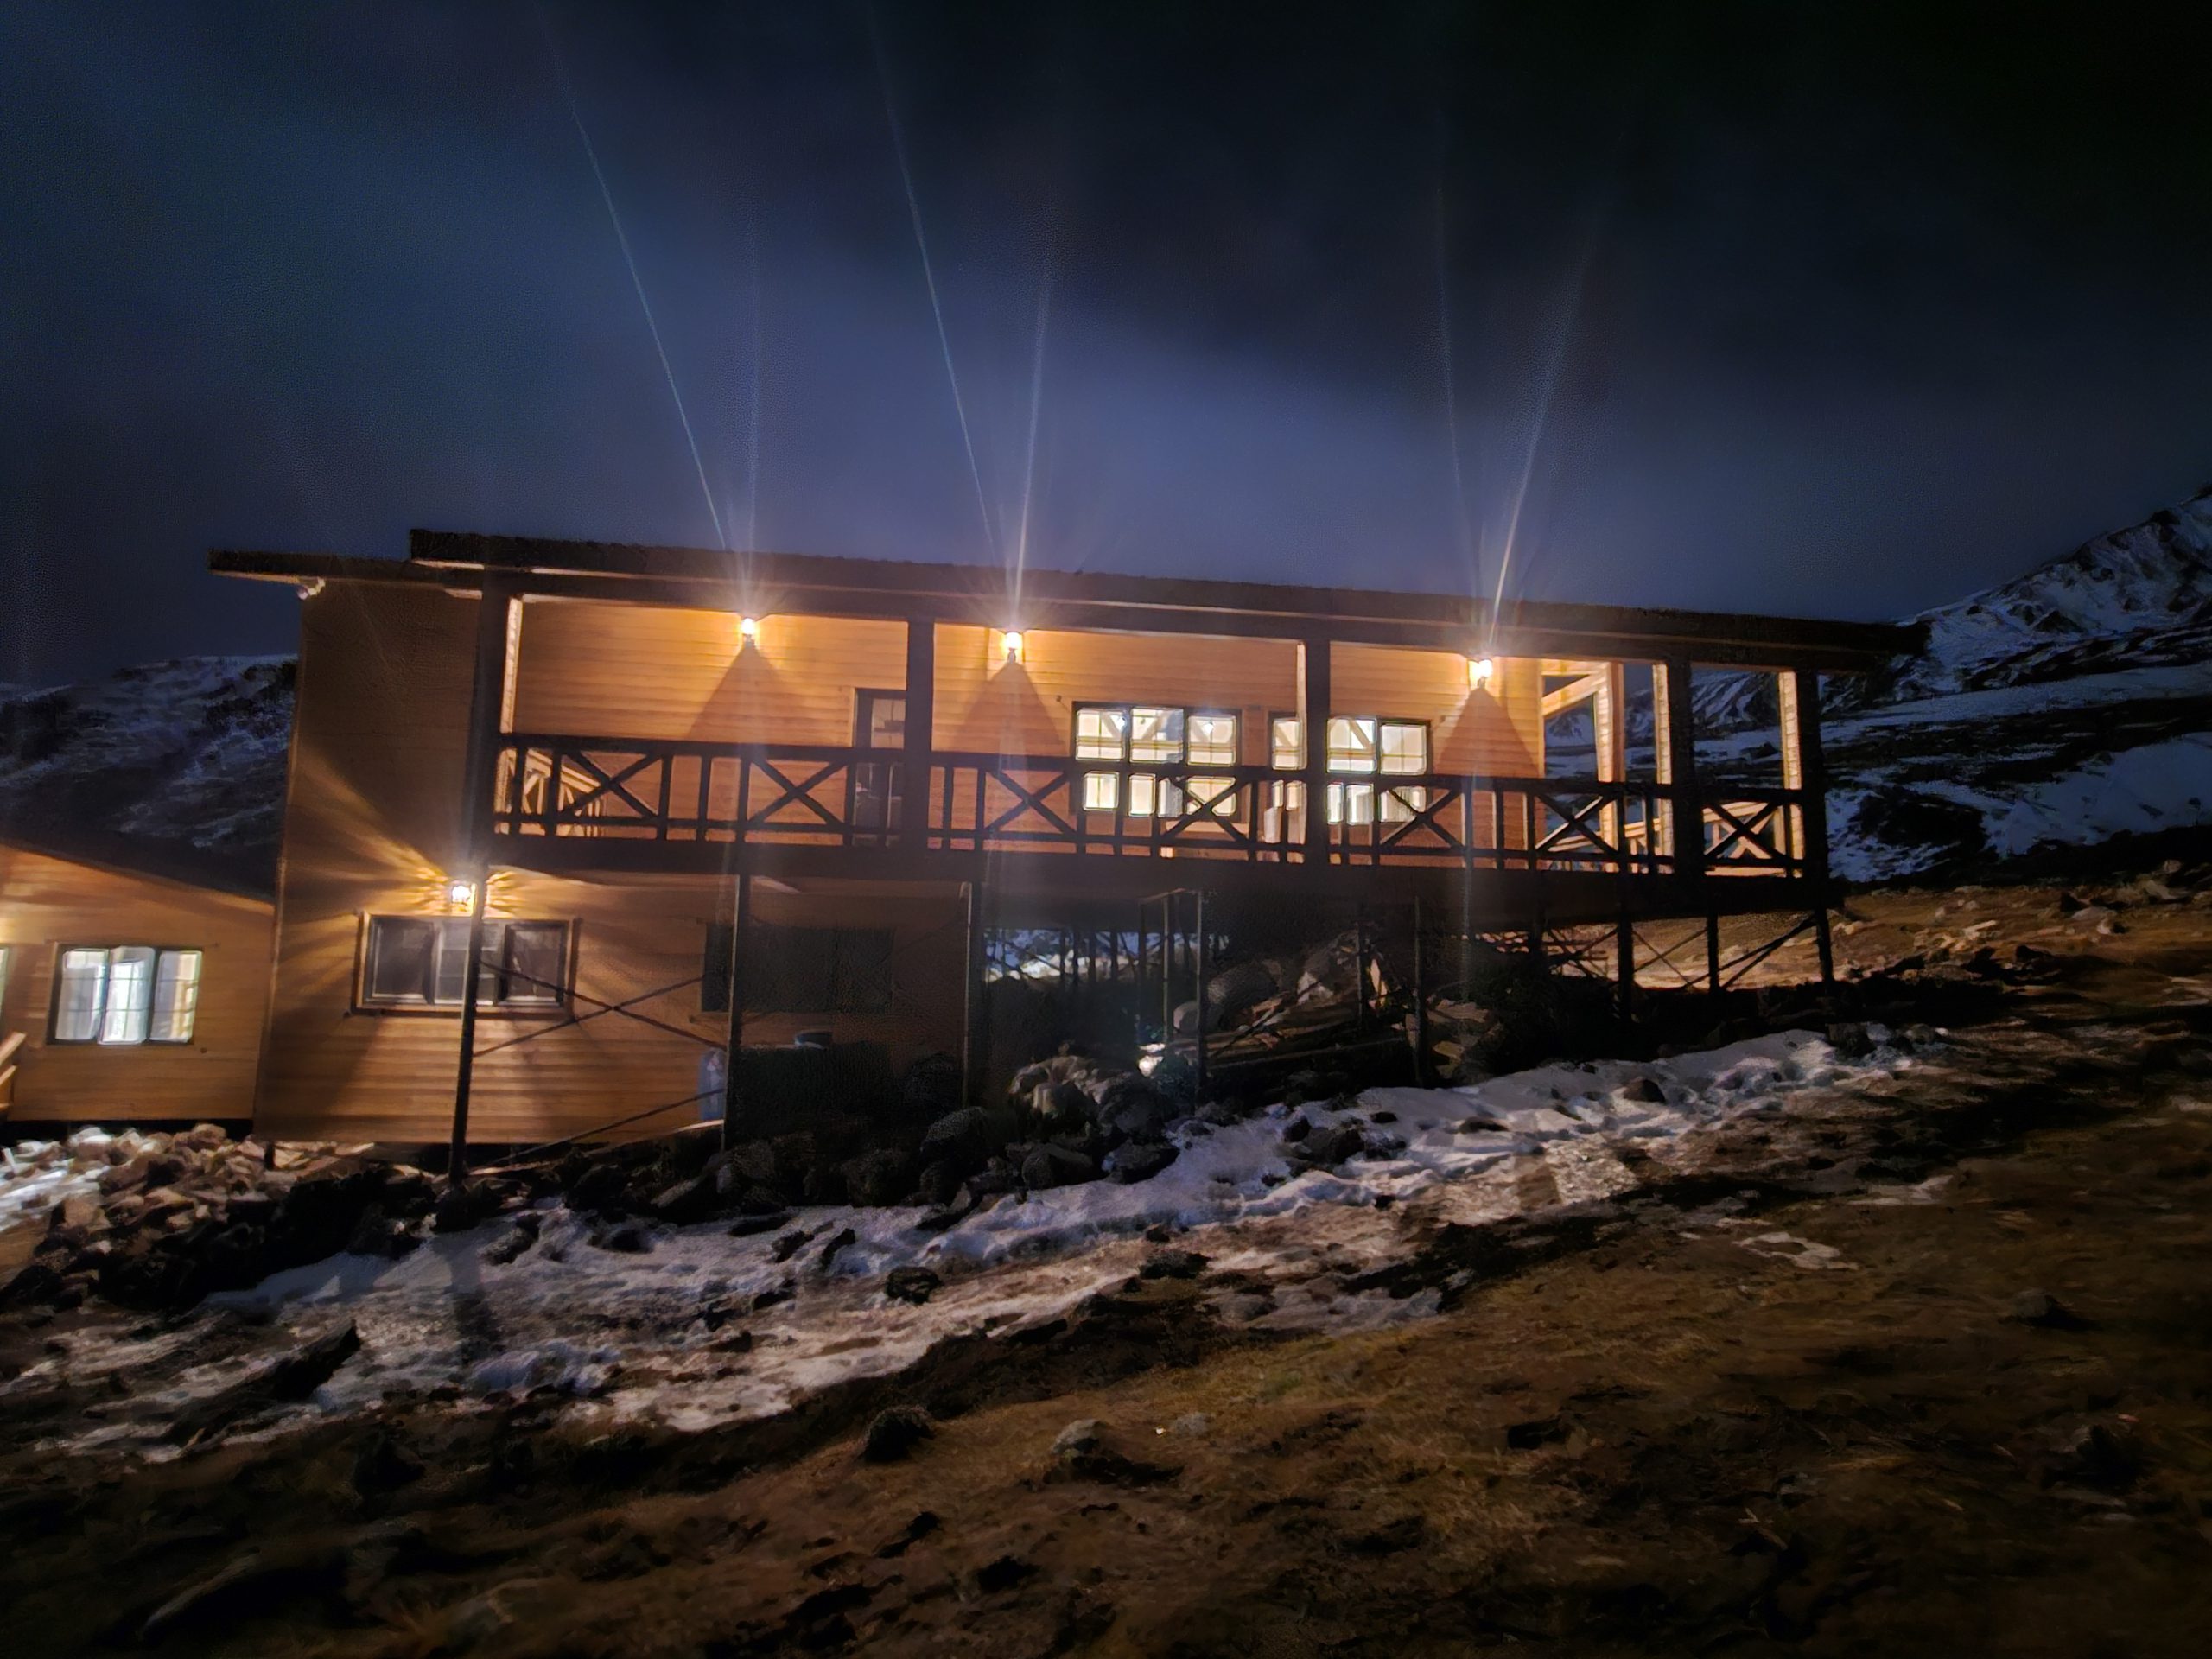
x,y
1576,847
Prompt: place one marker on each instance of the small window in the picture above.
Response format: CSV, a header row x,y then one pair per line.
x,y
120,996
1159,736
1285,753
1352,743
422,962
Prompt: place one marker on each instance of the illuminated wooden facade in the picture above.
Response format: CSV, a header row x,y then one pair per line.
x,y
126,995
618,741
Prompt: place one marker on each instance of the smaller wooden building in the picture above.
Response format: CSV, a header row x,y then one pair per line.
x,y
134,983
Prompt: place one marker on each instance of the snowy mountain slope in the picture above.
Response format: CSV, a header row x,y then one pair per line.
x,y
184,760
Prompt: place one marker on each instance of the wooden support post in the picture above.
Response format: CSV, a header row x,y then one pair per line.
x,y
1712,952
975,1039
1805,769
1359,968
457,1152
1314,699
1675,748
914,793
1420,999
489,710
733,1040
1198,933
1625,966
1167,968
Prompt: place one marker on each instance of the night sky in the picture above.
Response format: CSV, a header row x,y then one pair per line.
x,y
1840,310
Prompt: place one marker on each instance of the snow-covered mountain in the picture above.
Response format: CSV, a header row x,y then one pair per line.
x,y
2068,706
184,760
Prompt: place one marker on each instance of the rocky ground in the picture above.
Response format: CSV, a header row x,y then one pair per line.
x,y
1916,1353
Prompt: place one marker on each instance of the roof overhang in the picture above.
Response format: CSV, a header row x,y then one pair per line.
x,y
766,584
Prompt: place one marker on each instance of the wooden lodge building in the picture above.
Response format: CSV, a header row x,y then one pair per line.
x,y
652,782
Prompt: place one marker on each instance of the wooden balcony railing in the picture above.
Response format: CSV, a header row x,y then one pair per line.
x,y
794,795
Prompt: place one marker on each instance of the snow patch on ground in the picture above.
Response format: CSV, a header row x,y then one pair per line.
x,y
706,1328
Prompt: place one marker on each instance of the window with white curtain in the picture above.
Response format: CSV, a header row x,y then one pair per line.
x,y
119,996
1358,744
1169,737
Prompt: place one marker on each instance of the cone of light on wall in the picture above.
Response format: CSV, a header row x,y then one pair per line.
x,y
1480,672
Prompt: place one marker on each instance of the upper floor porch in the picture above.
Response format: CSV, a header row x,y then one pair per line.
x,y
664,710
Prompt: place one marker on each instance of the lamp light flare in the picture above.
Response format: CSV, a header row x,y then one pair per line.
x,y
1011,641
1481,670
748,631
462,895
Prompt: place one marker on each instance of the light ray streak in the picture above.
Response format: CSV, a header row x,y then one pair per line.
x,y
929,274
637,281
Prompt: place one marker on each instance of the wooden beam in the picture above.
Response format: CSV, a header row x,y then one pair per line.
x,y
1559,701
1315,703
921,730
734,1039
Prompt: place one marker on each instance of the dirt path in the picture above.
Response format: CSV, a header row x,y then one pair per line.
x,y
1923,1365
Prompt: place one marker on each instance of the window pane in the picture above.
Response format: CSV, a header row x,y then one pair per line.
x,y
792,968
534,956
1352,804
447,985
1100,791
1352,743
1405,747
129,993
1144,794
84,986
1400,804
887,723
176,996
1213,740
1101,734
401,951
1285,752
1155,733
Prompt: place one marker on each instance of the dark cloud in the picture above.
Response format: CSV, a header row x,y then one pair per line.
x,y
1836,309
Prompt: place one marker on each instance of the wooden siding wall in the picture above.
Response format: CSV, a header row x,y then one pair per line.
x,y
48,903
374,825
1498,731
648,670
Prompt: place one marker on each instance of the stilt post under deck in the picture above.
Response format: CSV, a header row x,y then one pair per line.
x,y
1625,966
1359,968
1167,968
1712,952
1420,999
734,1043
974,1056
1199,938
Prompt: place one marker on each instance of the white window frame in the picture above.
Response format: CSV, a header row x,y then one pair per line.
x,y
1113,734
1358,747
105,1022
493,991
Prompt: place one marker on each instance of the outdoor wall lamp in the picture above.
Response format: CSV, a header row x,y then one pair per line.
x,y
1480,672
1010,642
460,894
748,631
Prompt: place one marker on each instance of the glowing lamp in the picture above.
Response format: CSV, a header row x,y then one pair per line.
x,y
462,895
748,631
1480,672
1011,642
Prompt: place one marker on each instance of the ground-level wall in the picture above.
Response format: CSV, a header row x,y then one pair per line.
x,y
48,905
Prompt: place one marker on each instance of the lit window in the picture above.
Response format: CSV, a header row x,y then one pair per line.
x,y
1285,752
1157,736
122,995
1155,733
423,962
1352,743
